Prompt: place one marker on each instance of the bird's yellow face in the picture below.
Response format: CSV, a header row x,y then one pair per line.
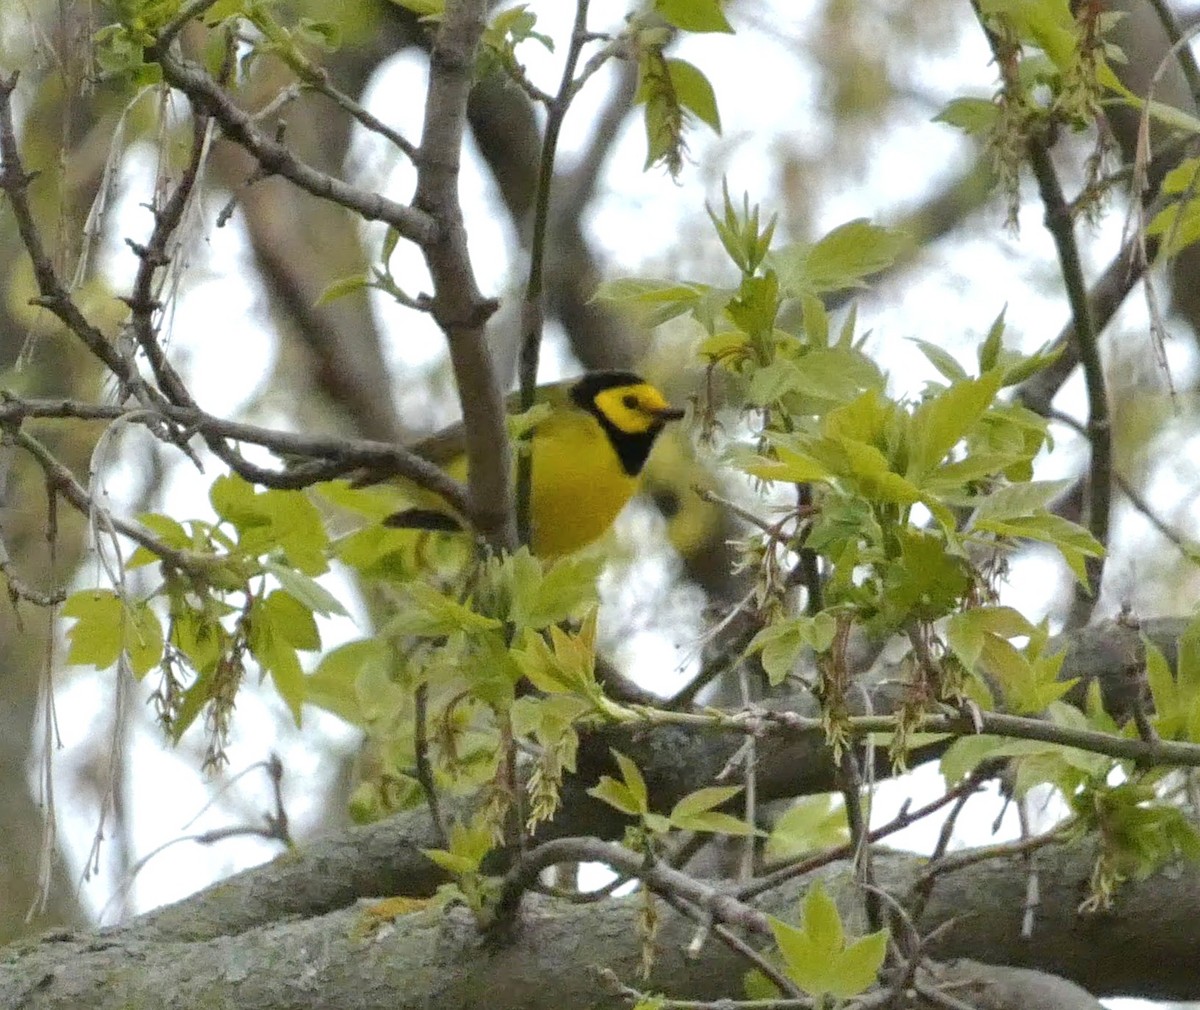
x,y
635,408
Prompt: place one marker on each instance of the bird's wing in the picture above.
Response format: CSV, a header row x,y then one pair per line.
x,y
446,445
442,446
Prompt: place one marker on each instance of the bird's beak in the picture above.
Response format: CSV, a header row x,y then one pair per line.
x,y
670,413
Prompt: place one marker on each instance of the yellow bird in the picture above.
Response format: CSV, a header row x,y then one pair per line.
x,y
587,455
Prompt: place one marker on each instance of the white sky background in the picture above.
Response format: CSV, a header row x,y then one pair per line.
x,y
636,220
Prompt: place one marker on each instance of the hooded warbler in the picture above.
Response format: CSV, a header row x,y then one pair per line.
x,y
587,454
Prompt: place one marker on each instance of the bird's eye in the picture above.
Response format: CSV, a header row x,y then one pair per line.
x,y
667,501
630,401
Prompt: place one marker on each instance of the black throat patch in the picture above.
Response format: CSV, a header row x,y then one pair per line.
x,y
631,448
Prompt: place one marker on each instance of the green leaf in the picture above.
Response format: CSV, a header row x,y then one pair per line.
x,y
974,116
291,620
989,350
1030,682
1047,24
342,287
739,232
96,638
655,301
781,641
704,799
966,753
860,963
427,10
194,700
167,530
541,598
633,778
288,678
756,304
648,290
630,796
942,360
939,424
842,259
788,465
780,644
425,612
694,15
967,631
469,846
273,520
813,822
566,664
1182,178
695,92
1074,543
716,822
105,627
336,684
1177,225
1024,499
663,115
308,591
872,474
816,321
816,956
927,582
199,636
271,623
143,639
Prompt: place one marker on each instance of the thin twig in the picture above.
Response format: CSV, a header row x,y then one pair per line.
x,y
532,308
963,860
63,482
1186,547
53,295
1183,52
660,878
919,897
1099,427
423,767
734,943
1061,227
327,456
239,126
787,725
750,793
190,10
850,782
902,820
367,119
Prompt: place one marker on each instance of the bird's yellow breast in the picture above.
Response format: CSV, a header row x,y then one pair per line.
x,y
578,484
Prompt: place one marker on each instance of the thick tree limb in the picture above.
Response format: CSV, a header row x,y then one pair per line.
x,y
385,857
352,958
286,934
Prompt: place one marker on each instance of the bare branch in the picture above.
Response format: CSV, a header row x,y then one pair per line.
x,y
328,456
209,98
458,306
54,296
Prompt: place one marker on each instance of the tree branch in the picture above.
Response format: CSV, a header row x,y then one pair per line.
x,y
412,223
328,456
357,956
54,296
458,306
